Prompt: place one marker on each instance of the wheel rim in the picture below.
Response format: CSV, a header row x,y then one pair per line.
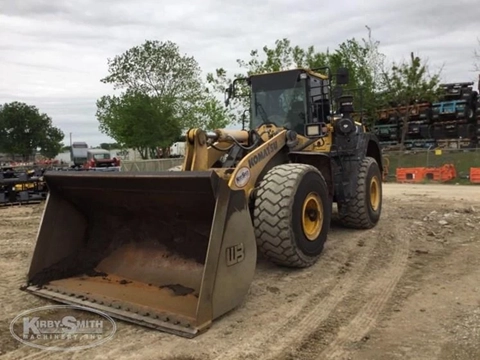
x,y
312,216
374,193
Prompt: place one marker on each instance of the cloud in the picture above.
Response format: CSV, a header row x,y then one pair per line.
x,y
54,53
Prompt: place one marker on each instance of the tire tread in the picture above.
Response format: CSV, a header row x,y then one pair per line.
x,y
357,216
272,215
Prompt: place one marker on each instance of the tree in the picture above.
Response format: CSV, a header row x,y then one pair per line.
x,y
140,121
51,144
409,83
213,114
362,58
157,69
24,131
109,146
282,56
365,63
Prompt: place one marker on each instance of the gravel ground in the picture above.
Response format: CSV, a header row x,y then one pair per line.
x,y
407,289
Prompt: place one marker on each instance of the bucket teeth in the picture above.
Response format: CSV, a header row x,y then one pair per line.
x,y
142,315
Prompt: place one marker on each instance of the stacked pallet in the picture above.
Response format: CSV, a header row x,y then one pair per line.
x,y
453,122
455,116
389,125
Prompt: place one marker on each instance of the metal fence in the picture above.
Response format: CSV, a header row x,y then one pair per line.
x,y
462,159
150,165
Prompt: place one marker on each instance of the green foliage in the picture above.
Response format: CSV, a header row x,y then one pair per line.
x,y
138,120
24,131
109,146
365,63
362,58
408,83
213,114
157,71
282,56
51,143
163,94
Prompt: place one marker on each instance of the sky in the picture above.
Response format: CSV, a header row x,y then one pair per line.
x,y
54,53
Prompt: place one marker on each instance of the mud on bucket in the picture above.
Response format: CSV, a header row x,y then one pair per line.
x,y
168,250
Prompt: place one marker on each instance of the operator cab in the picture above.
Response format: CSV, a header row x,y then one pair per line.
x,y
292,99
300,99
289,99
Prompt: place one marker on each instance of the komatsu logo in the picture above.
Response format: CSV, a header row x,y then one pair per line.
x,y
263,154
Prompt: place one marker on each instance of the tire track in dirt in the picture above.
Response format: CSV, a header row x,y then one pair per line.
x,y
295,334
367,316
266,340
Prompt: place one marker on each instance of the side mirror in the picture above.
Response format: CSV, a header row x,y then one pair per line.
x,y
228,94
244,117
341,77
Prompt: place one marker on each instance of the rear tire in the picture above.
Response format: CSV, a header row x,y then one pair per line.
x,y
292,215
364,208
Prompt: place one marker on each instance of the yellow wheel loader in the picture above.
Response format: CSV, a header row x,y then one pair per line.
x,y
175,250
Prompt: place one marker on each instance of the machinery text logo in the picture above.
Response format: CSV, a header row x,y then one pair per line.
x,y
62,327
264,153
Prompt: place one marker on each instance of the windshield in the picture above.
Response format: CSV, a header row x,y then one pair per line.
x,y
101,156
279,99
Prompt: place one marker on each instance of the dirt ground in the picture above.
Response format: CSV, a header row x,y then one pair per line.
x,y
407,289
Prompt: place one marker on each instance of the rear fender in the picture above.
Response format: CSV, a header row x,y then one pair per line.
x,y
373,149
321,161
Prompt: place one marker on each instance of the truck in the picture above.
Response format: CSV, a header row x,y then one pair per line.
x,y
177,150
78,154
101,160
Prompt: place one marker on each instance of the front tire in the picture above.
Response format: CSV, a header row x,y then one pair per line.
x,y
364,208
292,215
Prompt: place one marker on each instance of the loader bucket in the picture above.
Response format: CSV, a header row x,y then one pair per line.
x,y
167,250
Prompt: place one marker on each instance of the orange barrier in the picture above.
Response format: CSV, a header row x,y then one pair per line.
x,y
409,175
475,175
444,173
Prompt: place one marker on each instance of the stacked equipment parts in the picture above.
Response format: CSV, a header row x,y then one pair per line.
x,y
453,122
21,187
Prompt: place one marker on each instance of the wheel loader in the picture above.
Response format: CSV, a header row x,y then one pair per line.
x,y
175,250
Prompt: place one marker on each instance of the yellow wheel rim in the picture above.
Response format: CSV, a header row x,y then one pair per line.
x,y
312,216
374,193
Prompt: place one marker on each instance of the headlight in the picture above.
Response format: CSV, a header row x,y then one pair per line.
x,y
313,130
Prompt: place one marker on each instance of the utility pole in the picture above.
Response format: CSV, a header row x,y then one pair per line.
x,y
70,140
